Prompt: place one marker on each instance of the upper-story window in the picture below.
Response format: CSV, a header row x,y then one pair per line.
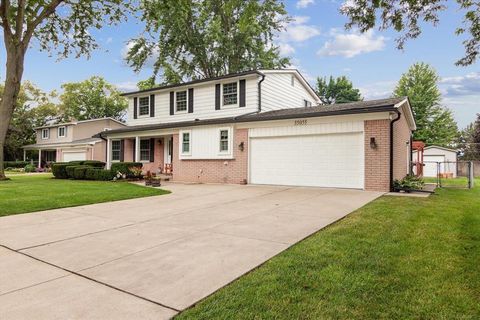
x,y
62,132
230,96
181,101
45,133
144,106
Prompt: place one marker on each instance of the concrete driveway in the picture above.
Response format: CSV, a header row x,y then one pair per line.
x,y
153,257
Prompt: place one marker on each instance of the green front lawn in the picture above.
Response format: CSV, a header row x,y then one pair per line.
x,y
29,193
396,258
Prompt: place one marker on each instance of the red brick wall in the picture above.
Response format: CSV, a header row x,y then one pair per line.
x,y
214,171
158,158
377,161
401,135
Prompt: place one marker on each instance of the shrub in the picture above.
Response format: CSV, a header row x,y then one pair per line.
x,y
124,167
59,170
98,174
15,164
79,172
409,183
70,170
30,168
94,163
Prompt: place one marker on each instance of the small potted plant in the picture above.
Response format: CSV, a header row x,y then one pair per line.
x,y
148,178
136,173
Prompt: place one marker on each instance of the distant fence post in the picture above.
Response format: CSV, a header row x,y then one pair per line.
x,y
471,176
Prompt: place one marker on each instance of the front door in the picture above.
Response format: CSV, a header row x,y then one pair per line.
x,y
168,150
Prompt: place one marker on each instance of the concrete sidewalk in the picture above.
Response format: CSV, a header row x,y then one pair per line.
x,y
153,257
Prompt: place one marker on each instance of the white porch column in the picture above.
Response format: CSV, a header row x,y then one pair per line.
x,y
24,155
109,152
39,158
137,149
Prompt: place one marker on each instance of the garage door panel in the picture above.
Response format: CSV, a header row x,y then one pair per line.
x,y
74,156
329,160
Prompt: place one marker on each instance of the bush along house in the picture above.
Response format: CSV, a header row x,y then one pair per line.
x,y
72,141
264,127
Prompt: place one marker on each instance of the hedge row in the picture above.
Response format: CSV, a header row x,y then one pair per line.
x,y
65,170
91,170
15,164
123,167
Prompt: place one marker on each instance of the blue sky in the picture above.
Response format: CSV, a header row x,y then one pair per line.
x,y
318,45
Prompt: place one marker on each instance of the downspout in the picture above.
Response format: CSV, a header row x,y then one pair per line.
x,y
259,99
106,148
410,169
399,114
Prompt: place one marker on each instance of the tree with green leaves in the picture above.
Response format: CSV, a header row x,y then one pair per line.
x,y
207,38
407,17
34,108
337,90
469,141
146,84
435,123
62,26
91,99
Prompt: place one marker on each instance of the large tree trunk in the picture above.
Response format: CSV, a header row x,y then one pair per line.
x,y
13,78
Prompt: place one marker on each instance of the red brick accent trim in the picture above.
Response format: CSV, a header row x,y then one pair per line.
x,y
377,161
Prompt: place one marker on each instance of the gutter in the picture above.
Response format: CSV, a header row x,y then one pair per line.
x,y
399,115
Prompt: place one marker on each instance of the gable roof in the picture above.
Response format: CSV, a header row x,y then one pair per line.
x,y
77,122
381,105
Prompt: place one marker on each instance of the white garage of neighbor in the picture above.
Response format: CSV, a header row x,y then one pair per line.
x,y
306,156
74,156
437,158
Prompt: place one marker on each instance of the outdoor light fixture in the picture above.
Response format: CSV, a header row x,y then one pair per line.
x,y
373,143
241,146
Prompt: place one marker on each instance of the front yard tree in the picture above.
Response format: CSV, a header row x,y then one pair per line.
x,y
408,17
469,141
187,40
91,99
435,123
337,90
61,26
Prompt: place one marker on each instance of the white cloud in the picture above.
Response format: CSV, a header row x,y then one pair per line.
x,y
377,90
351,44
304,3
126,86
286,49
468,84
149,63
298,30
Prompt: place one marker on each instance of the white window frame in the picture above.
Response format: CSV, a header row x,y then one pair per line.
x,y
189,152
64,131
47,130
148,113
229,141
186,100
140,150
228,106
119,150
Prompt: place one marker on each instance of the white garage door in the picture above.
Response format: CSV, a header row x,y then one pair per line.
x,y
74,156
430,169
325,160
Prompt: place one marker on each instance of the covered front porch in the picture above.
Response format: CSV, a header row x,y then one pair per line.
x,y
155,152
42,157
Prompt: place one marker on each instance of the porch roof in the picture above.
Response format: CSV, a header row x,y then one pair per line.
x,y
381,105
75,143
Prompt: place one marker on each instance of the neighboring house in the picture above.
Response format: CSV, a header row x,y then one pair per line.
x,y
72,141
437,158
264,127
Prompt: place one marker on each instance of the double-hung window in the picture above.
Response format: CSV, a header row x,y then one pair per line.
x,y
181,101
230,96
224,140
61,132
145,150
45,133
116,149
186,142
144,106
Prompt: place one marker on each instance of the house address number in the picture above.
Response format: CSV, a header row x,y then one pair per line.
x,y
300,122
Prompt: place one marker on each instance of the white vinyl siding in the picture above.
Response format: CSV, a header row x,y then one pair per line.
x,y
206,143
279,93
203,105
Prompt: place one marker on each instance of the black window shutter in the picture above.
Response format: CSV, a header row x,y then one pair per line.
x,y
152,150
152,105
135,102
134,154
172,103
190,100
217,96
122,150
242,93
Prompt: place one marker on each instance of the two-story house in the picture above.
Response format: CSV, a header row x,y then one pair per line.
x,y
72,141
264,127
